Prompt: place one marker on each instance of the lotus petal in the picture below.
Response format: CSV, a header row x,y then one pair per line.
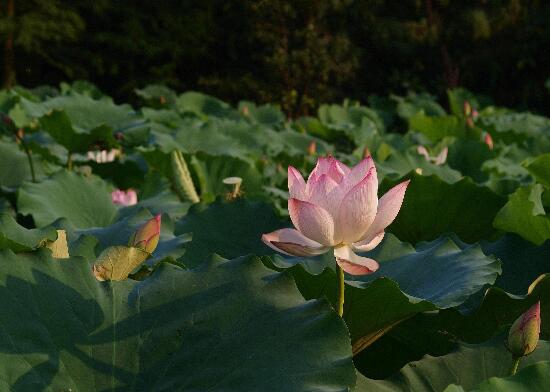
x,y
312,221
354,264
293,243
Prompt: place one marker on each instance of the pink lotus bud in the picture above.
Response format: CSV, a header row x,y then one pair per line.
x,y
366,152
245,111
312,148
524,333
147,237
128,198
467,109
488,140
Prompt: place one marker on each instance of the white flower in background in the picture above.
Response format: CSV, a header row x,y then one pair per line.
x,y
437,160
103,156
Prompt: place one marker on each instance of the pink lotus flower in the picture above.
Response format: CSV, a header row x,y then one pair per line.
x,y
128,198
337,208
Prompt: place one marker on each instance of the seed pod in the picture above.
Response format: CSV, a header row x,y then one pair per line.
x,y
183,183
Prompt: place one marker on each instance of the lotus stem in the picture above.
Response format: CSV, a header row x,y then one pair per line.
x,y
181,179
514,365
341,289
69,161
19,138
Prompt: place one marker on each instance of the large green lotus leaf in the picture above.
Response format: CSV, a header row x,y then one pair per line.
x,y
524,214
19,239
347,117
413,103
165,202
467,156
84,201
265,114
458,96
227,326
83,112
486,313
400,164
437,275
14,166
296,144
78,121
124,173
204,106
497,311
227,228
535,377
58,124
433,207
211,171
468,366
522,262
156,95
540,169
436,128
508,124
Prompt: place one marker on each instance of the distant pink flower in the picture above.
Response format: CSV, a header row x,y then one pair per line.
x,y
338,208
438,160
124,198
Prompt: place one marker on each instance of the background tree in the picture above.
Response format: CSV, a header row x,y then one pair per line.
x,y
33,28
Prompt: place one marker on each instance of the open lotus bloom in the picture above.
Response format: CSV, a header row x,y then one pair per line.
x,y
437,160
338,208
124,198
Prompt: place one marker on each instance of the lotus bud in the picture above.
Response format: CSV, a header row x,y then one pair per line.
x,y
245,111
366,152
524,333
488,140
147,237
312,148
467,109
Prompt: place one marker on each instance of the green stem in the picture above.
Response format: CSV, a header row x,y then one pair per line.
x,y
69,161
27,153
341,286
31,165
514,366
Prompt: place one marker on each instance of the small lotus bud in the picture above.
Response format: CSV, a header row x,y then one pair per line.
x,y
366,152
245,111
147,237
312,148
488,140
467,109
524,333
